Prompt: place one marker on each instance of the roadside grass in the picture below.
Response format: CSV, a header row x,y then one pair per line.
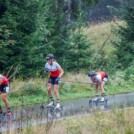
x,y
117,121
73,86
98,33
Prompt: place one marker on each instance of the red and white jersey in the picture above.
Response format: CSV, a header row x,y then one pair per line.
x,y
54,69
99,77
102,74
3,80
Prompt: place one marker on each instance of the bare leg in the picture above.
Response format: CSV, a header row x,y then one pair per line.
x,y
4,98
96,89
102,87
56,92
49,90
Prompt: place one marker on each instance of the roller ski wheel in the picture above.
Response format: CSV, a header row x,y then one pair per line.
x,y
58,112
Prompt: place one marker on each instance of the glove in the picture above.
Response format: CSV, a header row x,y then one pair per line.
x,y
58,79
46,70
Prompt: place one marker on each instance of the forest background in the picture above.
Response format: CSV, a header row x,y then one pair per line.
x,y
29,30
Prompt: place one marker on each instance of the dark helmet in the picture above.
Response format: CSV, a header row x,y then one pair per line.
x,y
91,73
50,56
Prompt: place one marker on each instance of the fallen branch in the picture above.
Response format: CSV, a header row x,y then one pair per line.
x,y
78,82
15,90
16,70
9,71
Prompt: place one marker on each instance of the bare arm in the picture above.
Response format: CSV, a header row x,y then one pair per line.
x,y
61,72
0,81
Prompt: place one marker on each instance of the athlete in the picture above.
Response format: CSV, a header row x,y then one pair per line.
x,y
98,79
4,90
56,73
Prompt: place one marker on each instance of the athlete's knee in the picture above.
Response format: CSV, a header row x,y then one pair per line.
x,y
4,98
49,89
56,90
102,84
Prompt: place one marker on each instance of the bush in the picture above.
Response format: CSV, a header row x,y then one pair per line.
x,y
29,89
65,88
129,73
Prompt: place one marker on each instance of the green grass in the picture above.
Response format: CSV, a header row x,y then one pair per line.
x,y
97,34
35,90
99,122
116,122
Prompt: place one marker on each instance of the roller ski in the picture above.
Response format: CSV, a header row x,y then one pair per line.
x,y
98,102
2,117
9,115
58,110
5,117
53,111
56,107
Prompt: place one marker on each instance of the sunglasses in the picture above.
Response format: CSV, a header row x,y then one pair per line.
x,y
49,59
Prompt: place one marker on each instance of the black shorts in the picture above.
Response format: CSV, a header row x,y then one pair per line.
x,y
4,88
54,80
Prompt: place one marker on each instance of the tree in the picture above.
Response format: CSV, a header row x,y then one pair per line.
x,y
31,29
81,5
125,46
22,35
5,43
78,50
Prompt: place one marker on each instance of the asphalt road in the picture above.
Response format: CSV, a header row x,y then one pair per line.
x,y
33,115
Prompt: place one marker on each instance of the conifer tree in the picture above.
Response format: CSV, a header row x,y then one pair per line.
x,y
78,51
31,29
125,46
28,34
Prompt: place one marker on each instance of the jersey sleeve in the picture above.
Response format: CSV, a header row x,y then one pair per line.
x,y
57,65
46,68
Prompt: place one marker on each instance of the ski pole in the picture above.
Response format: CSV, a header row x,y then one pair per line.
x,y
77,82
